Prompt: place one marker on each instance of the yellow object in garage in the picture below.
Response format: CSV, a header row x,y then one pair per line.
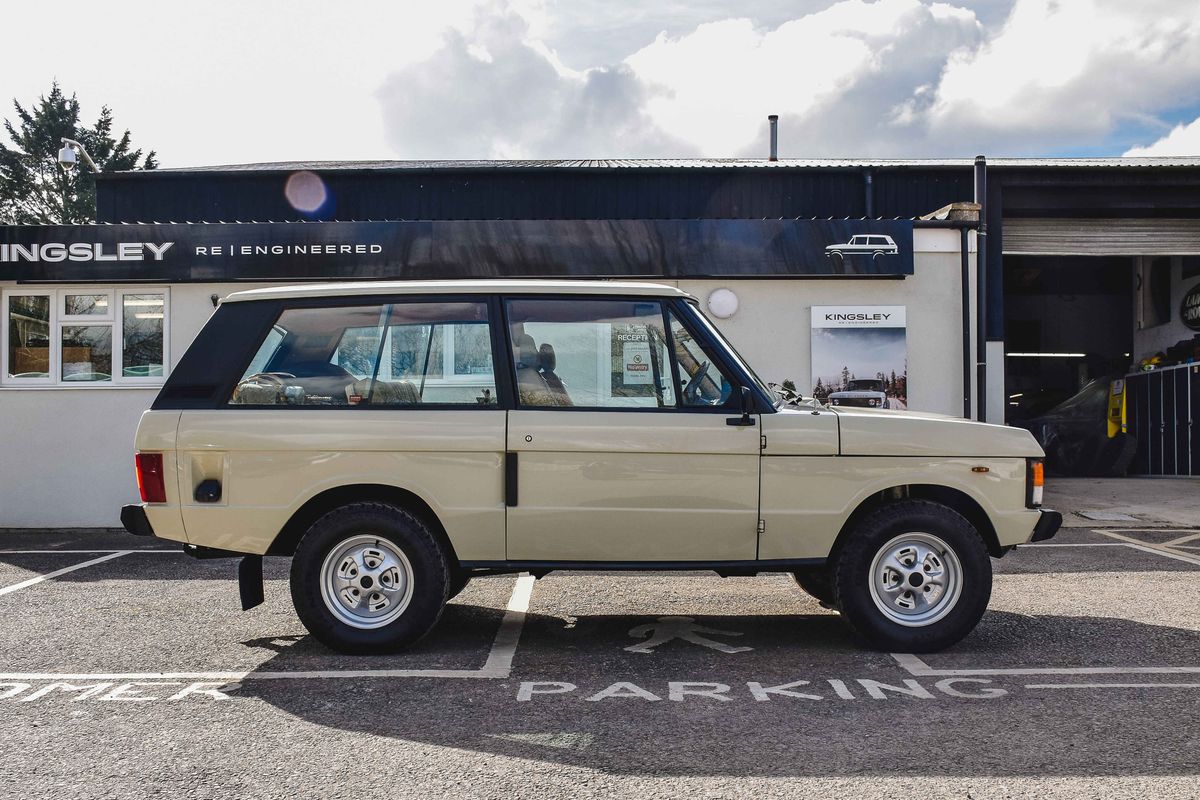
x,y
1116,408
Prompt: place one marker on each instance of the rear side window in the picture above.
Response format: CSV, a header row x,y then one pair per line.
x,y
401,354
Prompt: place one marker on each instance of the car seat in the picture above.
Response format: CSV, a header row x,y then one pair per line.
x,y
530,384
546,364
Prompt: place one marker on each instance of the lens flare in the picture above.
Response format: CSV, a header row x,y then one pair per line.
x,y
305,191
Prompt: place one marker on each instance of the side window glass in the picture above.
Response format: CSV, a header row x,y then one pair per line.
x,y
701,382
442,351
590,353
402,354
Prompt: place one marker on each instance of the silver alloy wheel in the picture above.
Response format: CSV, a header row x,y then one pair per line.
x,y
366,581
916,579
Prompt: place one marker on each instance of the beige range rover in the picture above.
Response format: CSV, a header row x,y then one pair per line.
x,y
397,439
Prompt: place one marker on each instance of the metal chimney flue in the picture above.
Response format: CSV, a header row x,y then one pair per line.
x,y
774,120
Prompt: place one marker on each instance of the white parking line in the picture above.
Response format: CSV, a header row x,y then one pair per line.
x,y
918,668
498,664
1072,544
1181,539
56,552
23,584
1157,550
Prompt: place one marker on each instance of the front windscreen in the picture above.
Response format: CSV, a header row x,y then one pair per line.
x,y
741,362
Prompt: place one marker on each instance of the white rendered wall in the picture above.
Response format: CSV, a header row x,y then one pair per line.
x,y
772,326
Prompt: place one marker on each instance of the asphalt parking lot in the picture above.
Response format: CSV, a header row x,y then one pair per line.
x,y
129,671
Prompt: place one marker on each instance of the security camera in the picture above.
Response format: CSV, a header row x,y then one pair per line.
x,y
67,158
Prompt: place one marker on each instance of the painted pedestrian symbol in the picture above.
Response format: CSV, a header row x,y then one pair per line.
x,y
667,629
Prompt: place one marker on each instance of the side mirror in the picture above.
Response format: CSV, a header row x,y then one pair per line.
x,y
747,404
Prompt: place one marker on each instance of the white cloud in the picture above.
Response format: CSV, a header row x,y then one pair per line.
x,y
307,79
1183,140
492,91
1063,73
835,77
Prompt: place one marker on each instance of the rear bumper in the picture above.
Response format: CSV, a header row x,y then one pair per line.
x,y
1047,525
133,517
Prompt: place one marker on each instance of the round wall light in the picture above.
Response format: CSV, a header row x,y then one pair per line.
x,y
723,303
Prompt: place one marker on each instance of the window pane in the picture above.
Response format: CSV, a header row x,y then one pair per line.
x,y
591,353
82,305
332,357
315,357
417,350
29,336
701,382
472,350
443,351
142,335
87,353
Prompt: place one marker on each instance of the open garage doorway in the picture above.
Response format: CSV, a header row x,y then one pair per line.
x,y
1068,321
1069,327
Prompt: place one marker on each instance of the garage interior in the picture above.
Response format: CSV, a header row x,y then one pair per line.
x,y
1068,321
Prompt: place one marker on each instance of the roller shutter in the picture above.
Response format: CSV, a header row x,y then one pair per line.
x,y
1102,237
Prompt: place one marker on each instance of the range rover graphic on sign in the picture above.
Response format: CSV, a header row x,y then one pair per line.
x,y
866,393
874,245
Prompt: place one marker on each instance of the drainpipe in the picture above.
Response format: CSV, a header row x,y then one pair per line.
x,y
965,270
981,281
774,120
869,193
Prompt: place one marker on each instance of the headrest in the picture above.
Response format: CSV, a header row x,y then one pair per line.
x,y
525,350
546,359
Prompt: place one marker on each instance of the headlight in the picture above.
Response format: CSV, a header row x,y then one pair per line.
x,y
834,401
873,402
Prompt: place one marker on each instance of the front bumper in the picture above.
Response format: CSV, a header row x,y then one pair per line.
x,y
133,517
1047,525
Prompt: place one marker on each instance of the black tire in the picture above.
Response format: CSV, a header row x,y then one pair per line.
x,y
430,577
817,582
852,577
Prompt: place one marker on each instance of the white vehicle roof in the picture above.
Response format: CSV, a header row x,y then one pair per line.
x,y
348,289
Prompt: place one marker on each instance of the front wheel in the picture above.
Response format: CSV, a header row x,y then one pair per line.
x,y
369,578
913,577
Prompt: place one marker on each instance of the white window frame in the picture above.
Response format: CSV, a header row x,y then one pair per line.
x,y
83,319
115,318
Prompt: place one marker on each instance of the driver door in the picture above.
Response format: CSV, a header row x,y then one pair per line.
x,y
619,449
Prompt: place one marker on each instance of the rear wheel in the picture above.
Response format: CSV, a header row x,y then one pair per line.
x,y
913,577
369,578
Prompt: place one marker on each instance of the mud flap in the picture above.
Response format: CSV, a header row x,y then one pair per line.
x,y
250,582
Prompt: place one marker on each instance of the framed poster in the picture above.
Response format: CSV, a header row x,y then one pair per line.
x,y
860,356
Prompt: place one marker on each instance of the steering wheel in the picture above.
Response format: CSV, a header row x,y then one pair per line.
x,y
691,392
277,378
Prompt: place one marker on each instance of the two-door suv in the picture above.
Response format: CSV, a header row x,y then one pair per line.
x,y
397,439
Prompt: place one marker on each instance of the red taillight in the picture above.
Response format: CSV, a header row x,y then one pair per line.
x,y
151,483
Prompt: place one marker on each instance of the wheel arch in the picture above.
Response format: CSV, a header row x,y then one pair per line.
x,y
316,506
952,498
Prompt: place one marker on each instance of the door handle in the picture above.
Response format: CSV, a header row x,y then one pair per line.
x,y
510,479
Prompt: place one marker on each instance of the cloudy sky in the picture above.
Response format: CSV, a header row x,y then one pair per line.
x,y
220,82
